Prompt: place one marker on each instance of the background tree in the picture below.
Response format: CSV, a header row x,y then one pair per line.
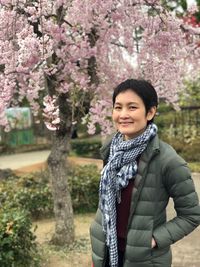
x,y
191,96
61,54
180,6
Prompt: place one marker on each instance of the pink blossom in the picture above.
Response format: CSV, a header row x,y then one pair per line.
x,y
192,8
38,49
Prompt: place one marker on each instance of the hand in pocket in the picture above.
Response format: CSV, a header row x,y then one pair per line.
x,y
153,243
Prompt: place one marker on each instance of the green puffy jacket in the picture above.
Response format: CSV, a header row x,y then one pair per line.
x,y
161,174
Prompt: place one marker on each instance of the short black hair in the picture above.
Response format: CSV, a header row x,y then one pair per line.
x,y
142,88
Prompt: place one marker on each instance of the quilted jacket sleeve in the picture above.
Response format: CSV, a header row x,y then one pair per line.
x,y
181,188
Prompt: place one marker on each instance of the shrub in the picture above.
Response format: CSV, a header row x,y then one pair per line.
x,y
164,121
189,151
84,183
7,189
17,246
86,147
29,192
33,192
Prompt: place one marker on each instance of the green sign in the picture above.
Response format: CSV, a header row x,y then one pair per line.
x,y
19,118
21,131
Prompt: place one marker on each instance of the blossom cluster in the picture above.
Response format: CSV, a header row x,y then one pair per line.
x,y
51,48
51,112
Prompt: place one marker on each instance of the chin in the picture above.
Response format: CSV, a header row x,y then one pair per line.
x,y
127,135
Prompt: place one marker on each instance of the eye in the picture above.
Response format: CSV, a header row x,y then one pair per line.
x,y
132,107
117,108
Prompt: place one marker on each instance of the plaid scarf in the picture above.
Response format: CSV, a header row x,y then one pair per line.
x,y
121,167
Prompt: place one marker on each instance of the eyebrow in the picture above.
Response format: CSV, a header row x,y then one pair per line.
x,y
129,103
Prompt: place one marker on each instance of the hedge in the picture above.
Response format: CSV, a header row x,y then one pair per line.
x,y
32,192
84,184
17,247
86,147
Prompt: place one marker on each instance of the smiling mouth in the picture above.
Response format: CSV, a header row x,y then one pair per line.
x,y
125,123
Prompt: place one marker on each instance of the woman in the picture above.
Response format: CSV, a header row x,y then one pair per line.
x,y
140,174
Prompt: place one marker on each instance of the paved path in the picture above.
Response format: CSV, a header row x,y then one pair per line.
x,y
186,253
17,161
31,161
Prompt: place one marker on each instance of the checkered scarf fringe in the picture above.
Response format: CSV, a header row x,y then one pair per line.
x,y
121,167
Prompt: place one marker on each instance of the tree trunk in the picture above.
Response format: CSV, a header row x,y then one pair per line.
x,y
57,164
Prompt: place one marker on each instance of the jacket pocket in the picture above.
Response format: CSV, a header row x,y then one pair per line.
x,y
161,257
138,247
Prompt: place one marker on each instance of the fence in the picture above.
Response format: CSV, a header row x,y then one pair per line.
x,y
182,124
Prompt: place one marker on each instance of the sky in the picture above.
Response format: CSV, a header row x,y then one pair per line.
x,y
190,2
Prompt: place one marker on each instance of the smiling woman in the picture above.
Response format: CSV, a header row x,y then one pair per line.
x,y
140,174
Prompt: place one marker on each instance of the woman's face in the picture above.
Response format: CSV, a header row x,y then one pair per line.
x,y
129,114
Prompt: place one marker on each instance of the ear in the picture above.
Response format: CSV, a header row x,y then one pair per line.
x,y
151,113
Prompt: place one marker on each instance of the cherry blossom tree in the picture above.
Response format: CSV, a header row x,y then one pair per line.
x,y
62,56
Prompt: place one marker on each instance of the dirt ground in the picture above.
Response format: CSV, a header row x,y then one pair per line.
x,y
185,252
43,165
78,256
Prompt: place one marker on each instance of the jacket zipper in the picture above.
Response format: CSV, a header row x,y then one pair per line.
x,y
143,177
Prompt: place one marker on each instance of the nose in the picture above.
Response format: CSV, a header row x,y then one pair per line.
x,y
124,113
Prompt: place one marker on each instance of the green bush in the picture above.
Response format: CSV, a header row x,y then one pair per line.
x,y
33,192
29,192
189,151
35,195
17,246
164,121
86,147
163,107
180,129
84,183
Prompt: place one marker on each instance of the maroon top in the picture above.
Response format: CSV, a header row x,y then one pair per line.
x,y
123,211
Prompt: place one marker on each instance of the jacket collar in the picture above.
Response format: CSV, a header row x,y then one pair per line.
x,y
152,149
